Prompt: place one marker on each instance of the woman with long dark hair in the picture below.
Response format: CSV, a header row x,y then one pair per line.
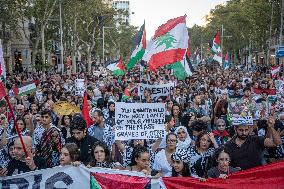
x,y
200,154
12,134
69,154
222,168
177,114
180,167
64,125
127,150
109,111
140,162
101,157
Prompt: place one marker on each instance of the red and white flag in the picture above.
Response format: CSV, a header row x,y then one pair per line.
x,y
274,71
168,45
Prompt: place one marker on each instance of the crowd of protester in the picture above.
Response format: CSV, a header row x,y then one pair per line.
x,y
200,141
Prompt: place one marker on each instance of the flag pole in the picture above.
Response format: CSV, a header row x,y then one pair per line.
x,y
16,126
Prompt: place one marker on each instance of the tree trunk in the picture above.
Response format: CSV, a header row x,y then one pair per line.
x,y
74,63
89,60
43,47
35,51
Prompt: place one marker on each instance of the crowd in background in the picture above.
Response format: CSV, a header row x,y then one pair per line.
x,y
200,141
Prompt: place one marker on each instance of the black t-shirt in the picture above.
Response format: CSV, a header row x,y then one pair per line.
x,y
248,155
17,167
85,146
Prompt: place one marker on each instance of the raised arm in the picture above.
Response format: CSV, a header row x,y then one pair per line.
x,y
156,144
274,139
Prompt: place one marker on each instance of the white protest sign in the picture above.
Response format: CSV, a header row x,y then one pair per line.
x,y
156,90
57,177
279,85
79,87
139,120
242,120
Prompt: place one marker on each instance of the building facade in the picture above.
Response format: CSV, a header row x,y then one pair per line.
x,y
124,12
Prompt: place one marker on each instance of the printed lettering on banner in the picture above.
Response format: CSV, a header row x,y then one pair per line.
x,y
139,120
240,120
58,177
156,90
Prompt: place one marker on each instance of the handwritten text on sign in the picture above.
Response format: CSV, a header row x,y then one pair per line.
x,y
139,120
79,87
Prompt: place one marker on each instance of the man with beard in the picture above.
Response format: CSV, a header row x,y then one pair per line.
x,y
102,129
246,151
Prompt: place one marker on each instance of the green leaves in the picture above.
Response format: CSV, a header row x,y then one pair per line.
x,y
246,21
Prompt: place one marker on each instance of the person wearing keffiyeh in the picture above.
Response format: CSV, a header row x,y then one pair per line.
x,y
220,134
51,141
50,147
180,167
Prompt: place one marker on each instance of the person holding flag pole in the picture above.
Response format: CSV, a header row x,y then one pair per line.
x,y
3,94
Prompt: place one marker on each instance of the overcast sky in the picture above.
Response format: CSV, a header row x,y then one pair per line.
x,y
157,12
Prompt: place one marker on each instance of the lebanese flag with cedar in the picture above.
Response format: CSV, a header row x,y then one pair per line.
x,y
168,45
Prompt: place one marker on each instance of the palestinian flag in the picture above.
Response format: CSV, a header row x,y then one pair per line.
x,y
116,67
26,89
197,58
126,95
184,68
216,48
117,181
274,71
168,45
226,63
140,46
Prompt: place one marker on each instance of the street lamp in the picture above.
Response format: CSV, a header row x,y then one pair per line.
x,y
104,41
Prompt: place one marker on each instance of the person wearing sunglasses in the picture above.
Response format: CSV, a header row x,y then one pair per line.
x,y
163,161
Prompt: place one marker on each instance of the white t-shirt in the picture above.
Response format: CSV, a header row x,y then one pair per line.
x,y
161,164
